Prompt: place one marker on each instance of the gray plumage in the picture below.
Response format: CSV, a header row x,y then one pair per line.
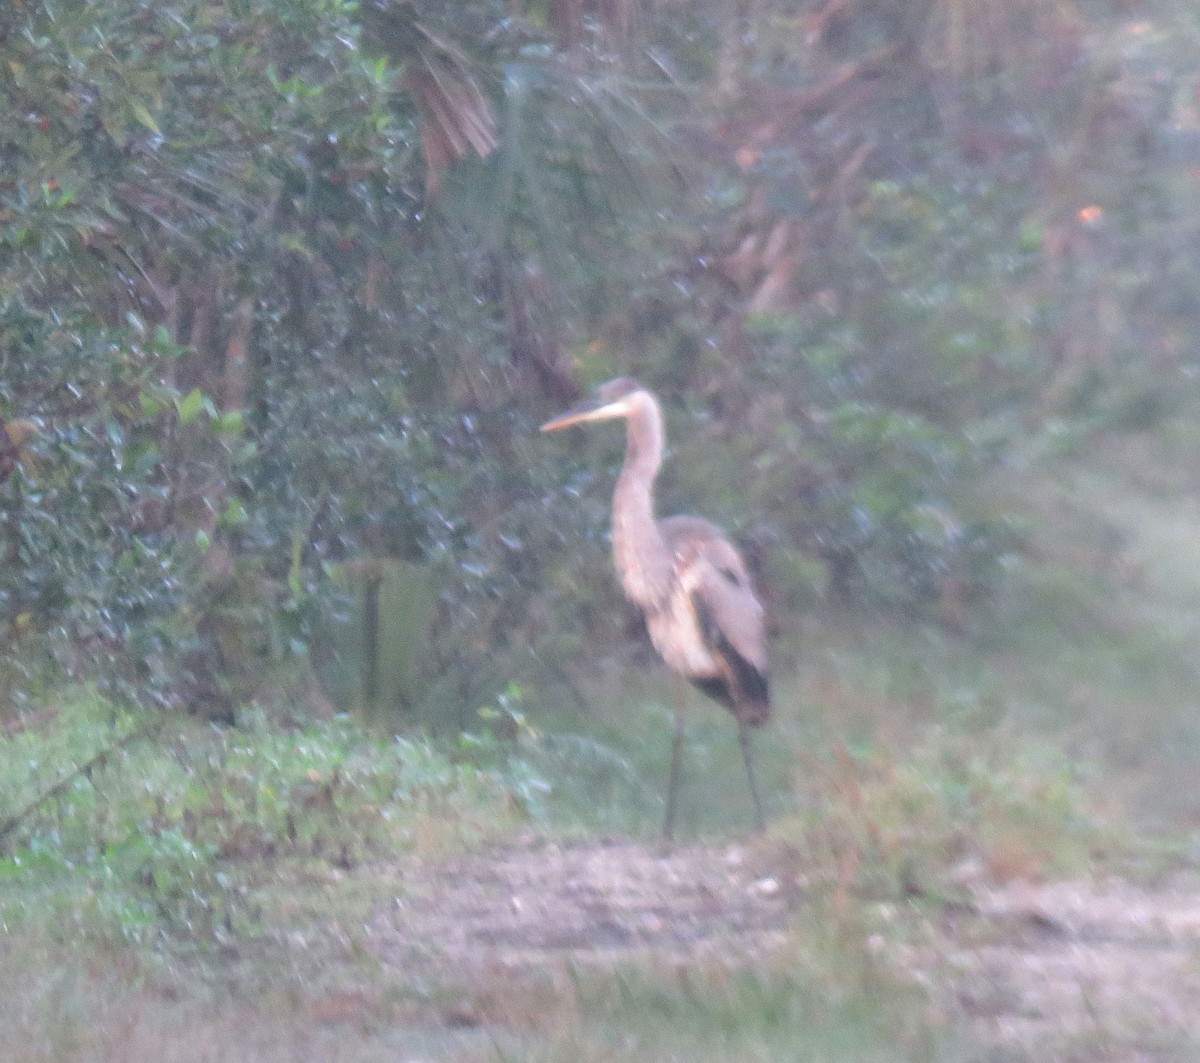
x,y
683,573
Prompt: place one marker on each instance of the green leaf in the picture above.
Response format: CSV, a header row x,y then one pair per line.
x,y
235,514
231,422
192,405
151,405
145,118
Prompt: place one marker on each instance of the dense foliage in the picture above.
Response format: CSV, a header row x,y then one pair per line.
x,y
286,287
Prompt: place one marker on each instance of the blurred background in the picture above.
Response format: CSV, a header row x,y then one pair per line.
x,y
286,288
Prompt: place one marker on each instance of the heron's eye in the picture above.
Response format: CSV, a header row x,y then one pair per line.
x,y
732,576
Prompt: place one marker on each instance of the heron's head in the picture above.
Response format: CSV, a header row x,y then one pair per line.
x,y
620,398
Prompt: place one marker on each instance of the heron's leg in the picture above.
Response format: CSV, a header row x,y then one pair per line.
x,y
676,757
744,738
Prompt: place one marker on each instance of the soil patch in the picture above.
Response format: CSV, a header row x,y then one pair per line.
x,y
1110,966
591,901
1039,970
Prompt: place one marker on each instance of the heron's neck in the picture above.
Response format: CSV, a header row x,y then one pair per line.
x,y
641,555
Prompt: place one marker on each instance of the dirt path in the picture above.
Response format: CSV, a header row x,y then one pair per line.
x,y
1109,964
590,901
1085,966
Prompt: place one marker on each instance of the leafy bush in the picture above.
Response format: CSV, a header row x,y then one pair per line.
x,y
97,571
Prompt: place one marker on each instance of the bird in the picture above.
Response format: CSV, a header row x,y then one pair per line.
x,y
686,577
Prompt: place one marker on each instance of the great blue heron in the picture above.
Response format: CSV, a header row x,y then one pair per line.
x,y
685,576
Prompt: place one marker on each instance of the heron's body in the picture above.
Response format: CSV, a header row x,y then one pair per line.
x,y
683,573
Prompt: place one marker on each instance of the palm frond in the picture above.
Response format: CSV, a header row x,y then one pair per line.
x,y
455,117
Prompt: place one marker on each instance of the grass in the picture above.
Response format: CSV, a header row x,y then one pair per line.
x,y
107,1009
89,1003
172,832
712,1013
218,881
926,820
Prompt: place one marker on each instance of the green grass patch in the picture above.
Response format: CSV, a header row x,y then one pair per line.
x,y
168,830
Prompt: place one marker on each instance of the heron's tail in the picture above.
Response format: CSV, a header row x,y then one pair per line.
x,y
753,713
742,688
752,697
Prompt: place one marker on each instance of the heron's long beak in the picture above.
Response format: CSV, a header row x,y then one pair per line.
x,y
588,410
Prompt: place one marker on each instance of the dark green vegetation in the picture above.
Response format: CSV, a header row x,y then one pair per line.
x,y
285,289
296,605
